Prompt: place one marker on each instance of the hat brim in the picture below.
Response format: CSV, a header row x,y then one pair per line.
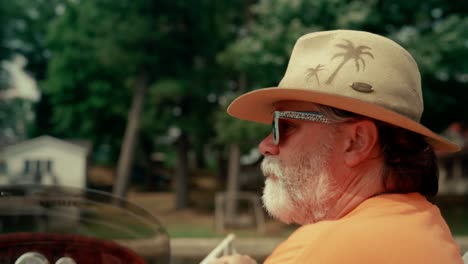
x,y
258,106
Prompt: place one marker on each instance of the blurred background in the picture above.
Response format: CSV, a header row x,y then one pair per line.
x,y
130,97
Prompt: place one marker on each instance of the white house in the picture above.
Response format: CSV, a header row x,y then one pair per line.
x,y
46,160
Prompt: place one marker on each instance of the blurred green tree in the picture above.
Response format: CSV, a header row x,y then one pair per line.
x,y
186,102
105,50
19,41
5,53
29,22
104,53
4,50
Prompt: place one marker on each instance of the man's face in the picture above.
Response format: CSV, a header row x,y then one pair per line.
x,y
299,185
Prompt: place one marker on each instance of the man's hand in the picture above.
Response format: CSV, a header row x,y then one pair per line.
x,y
234,259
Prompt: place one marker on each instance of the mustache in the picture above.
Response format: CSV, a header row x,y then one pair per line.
x,y
271,167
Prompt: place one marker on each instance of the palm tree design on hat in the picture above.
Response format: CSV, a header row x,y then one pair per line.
x,y
312,72
351,53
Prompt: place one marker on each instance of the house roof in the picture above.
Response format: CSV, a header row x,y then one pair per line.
x,y
78,146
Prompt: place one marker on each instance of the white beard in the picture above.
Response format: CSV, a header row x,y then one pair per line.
x,y
301,191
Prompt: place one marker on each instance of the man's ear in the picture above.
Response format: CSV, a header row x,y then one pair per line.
x,y
361,142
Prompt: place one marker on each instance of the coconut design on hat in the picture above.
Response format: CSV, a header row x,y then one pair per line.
x,y
351,70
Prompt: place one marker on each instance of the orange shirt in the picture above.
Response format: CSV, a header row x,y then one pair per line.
x,y
390,228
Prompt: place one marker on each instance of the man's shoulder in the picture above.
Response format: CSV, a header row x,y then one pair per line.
x,y
389,222
370,240
381,242
346,233
414,234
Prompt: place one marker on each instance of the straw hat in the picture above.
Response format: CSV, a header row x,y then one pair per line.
x,y
351,70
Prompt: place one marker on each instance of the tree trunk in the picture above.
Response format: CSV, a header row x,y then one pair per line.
x,y
232,188
221,164
181,180
233,182
130,138
200,156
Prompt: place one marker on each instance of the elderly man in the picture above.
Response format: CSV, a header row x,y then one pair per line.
x,y
347,158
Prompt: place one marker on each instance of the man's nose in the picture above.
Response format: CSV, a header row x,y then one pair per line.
x,y
268,147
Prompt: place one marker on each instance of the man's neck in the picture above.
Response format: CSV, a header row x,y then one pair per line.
x,y
365,183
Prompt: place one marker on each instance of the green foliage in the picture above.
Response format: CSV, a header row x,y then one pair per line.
x,y
28,23
5,37
3,31
186,98
4,79
233,130
99,47
88,85
15,118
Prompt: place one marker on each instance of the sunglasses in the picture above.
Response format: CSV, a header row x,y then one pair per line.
x,y
277,128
